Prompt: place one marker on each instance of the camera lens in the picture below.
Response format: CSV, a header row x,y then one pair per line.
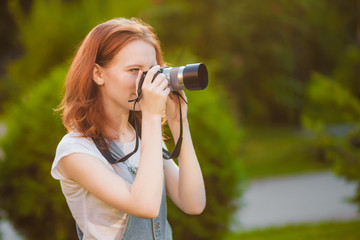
x,y
195,76
192,77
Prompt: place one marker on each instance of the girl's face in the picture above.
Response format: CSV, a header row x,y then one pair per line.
x,y
118,79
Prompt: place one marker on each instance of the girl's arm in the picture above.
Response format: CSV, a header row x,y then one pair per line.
x,y
184,183
143,197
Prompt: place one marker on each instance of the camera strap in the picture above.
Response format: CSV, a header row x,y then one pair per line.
x,y
109,153
176,151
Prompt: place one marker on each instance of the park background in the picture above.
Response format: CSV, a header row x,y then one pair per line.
x,y
283,98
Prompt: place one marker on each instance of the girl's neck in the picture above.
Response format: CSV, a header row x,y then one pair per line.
x,y
119,128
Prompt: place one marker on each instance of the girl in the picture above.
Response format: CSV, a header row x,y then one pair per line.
x,y
126,199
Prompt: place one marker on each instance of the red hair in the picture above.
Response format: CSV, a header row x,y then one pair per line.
x,y
82,104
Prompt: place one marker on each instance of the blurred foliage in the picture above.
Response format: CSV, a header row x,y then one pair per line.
x,y
34,130
333,114
323,231
9,46
32,200
264,51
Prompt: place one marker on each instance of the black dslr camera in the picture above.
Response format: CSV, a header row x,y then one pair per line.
x,y
192,77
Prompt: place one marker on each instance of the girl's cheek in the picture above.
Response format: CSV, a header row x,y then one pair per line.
x,y
132,80
128,80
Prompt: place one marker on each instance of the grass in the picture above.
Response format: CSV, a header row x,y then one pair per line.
x,y
323,231
279,151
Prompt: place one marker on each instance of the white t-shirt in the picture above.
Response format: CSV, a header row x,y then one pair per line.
x,y
96,219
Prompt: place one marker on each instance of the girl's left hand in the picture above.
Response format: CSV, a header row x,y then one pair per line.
x,y
172,108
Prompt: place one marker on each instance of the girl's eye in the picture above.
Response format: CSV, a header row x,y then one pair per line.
x,y
134,69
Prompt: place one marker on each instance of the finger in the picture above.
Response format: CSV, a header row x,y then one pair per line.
x,y
160,79
164,84
150,74
167,91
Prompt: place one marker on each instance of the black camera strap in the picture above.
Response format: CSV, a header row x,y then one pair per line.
x,y
112,158
176,151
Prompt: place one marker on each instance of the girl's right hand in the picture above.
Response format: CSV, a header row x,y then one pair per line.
x,y
154,93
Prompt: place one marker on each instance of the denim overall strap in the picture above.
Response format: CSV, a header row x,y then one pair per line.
x,y
149,229
140,228
79,232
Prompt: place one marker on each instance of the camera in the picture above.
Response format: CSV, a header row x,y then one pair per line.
x,y
192,77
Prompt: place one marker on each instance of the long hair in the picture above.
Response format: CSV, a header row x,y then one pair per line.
x,y
82,108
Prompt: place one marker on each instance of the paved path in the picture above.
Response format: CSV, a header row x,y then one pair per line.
x,y
297,199
8,232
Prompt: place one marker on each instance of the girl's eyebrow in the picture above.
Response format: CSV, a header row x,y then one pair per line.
x,y
134,65
138,66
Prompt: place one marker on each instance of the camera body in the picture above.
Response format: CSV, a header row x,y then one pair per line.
x,y
192,77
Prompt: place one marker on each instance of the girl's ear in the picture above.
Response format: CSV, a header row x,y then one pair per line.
x,y
98,75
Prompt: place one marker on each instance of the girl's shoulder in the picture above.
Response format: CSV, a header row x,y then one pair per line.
x,y
74,137
73,142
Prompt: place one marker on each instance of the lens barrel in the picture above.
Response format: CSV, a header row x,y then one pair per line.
x,y
192,77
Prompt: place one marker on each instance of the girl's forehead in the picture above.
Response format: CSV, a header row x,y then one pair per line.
x,y
136,52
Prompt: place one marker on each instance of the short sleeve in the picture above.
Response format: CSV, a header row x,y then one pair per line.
x,y
72,143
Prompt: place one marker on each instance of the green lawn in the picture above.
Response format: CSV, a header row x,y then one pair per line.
x,y
279,151
324,231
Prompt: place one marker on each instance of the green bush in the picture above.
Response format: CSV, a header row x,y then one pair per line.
x,y
31,198
333,114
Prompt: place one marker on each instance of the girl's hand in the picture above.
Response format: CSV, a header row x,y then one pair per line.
x,y
172,108
154,93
